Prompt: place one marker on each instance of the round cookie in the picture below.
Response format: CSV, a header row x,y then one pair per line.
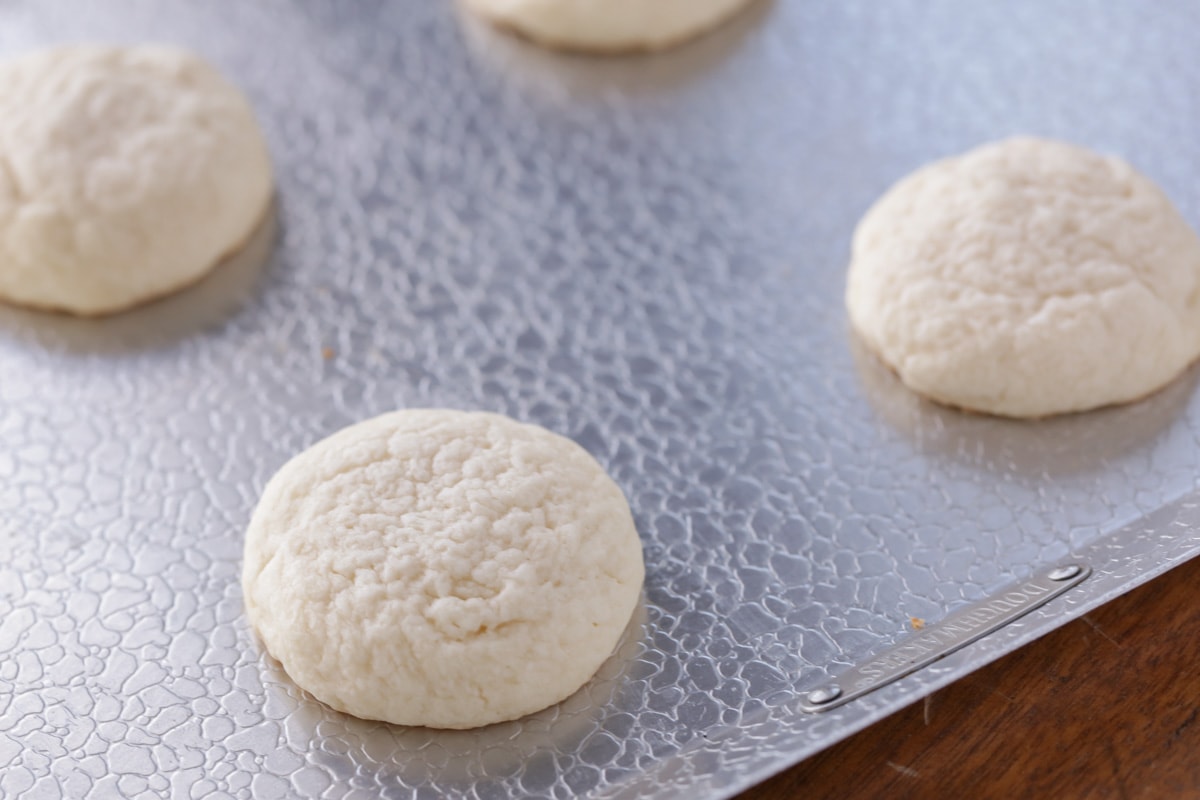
x,y
1027,278
441,568
125,173
608,26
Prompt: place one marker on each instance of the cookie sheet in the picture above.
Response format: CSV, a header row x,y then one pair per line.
x,y
645,254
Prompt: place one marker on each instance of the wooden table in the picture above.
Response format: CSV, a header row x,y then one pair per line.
x,y
1103,707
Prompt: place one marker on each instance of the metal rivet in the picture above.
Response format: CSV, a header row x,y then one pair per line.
x,y
825,694
1064,573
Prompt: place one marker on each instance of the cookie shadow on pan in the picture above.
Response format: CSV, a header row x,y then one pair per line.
x,y
590,718
160,322
1058,446
596,75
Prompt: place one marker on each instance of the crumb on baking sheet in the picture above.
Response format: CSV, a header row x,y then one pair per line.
x,y
327,353
916,622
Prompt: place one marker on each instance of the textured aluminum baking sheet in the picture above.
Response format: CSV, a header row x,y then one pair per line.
x,y
645,254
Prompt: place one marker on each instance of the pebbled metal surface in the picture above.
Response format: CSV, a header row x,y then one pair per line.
x,y
646,255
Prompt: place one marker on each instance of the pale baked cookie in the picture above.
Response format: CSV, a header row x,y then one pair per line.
x,y
441,568
608,26
125,173
1027,278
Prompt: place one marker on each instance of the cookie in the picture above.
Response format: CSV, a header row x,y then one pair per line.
x,y
441,568
1027,278
126,173
608,26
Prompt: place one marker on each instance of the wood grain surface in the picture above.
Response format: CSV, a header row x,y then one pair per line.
x,y
1105,706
